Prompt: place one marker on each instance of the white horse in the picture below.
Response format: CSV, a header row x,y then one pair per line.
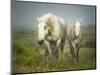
x,y
74,39
51,31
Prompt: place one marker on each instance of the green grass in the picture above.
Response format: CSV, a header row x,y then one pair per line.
x,y
28,56
35,62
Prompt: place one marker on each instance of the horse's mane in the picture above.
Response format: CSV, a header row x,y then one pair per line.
x,y
55,24
50,17
46,17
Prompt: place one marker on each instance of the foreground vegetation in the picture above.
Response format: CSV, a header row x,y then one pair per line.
x,y
36,62
28,56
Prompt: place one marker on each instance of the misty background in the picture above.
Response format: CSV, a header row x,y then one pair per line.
x,y
25,13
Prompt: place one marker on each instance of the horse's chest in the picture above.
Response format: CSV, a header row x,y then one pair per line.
x,y
51,38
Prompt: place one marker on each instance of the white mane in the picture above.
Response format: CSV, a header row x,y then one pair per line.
x,y
53,16
57,22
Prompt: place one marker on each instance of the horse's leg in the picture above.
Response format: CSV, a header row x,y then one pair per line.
x,y
62,49
62,45
73,51
77,53
55,53
46,54
59,44
47,47
72,47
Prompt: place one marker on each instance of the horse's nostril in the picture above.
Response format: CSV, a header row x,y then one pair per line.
x,y
40,42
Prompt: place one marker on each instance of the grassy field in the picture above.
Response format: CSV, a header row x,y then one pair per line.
x,y
28,56
36,62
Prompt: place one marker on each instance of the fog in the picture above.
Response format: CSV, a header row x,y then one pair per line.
x,y
25,13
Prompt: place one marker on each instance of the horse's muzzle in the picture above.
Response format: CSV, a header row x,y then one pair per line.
x,y
40,42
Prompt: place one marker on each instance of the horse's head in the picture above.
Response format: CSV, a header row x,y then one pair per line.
x,y
77,26
44,27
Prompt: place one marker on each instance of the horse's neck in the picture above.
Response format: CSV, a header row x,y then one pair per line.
x,y
55,32
58,30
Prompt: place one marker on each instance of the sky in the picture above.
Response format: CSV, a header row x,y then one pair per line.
x,y
26,13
